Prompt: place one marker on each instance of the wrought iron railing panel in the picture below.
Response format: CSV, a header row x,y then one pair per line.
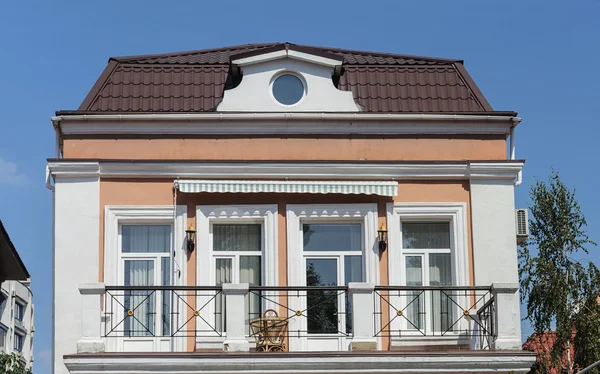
x,y
302,311
412,311
163,311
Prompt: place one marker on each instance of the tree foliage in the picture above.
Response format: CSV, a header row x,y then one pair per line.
x,y
558,290
12,364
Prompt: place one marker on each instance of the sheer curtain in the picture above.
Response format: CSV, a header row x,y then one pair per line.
x,y
414,299
440,274
236,238
425,235
139,273
250,273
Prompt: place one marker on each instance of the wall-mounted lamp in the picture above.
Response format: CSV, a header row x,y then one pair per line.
x,y
190,234
382,236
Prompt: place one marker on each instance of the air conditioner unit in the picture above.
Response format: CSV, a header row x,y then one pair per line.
x,y
522,222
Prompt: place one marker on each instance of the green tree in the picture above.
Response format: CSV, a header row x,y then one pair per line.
x,y
12,364
555,287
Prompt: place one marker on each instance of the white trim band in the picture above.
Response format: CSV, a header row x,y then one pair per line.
x,y
280,170
315,187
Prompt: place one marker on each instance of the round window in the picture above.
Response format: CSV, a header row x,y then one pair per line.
x,y
288,89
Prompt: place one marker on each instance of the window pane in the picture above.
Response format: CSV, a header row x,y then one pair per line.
x,y
2,337
419,235
321,305
440,269
250,273
166,296
440,274
352,273
141,302
332,237
237,237
415,300
144,239
223,275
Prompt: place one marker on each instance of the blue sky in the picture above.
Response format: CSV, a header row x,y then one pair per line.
x,y
534,57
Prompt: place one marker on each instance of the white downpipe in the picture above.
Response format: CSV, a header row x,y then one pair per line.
x,y
513,154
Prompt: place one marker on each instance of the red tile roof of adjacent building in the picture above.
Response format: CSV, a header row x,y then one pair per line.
x,y
195,81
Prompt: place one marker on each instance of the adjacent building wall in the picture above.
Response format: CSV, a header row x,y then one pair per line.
x,y
17,292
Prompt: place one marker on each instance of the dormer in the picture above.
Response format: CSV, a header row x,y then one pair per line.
x,y
286,78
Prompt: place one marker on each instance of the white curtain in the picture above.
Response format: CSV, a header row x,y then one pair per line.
x,y
237,237
146,239
250,273
440,274
141,323
431,235
414,299
223,275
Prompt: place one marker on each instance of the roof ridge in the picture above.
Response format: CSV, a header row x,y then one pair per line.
x,y
184,53
399,55
125,59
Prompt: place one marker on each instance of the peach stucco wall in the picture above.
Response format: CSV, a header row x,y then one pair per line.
x,y
160,192
325,148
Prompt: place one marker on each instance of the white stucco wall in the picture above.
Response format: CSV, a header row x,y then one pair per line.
x,y
495,252
494,234
76,243
254,92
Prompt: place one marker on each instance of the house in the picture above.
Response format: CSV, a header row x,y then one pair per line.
x,y
285,208
16,302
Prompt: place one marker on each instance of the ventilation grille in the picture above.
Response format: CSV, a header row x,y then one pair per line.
x,y
522,222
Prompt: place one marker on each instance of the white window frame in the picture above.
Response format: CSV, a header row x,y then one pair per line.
x,y
114,218
3,347
15,340
453,212
206,216
298,214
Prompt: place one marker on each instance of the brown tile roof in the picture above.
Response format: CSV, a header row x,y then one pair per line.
x,y
194,81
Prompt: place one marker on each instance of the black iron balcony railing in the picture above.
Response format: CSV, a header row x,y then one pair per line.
x,y
300,311
163,311
443,311
282,313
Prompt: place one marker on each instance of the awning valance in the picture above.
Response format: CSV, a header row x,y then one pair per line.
x,y
383,188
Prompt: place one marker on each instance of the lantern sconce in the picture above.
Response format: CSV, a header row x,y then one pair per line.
x,y
190,234
382,237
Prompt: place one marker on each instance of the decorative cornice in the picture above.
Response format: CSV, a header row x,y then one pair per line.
x,y
284,123
291,170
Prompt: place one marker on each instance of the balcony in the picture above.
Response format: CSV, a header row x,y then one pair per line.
x,y
459,326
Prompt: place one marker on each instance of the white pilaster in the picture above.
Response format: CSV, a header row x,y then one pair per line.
x,y
495,252
507,316
75,258
235,314
363,309
91,340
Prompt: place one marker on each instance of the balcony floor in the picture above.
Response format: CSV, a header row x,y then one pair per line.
x,y
446,361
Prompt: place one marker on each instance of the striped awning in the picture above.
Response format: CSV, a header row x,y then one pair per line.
x,y
322,187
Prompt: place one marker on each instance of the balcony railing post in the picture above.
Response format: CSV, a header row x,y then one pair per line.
x,y
235,316
363,309
507,323
91,340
